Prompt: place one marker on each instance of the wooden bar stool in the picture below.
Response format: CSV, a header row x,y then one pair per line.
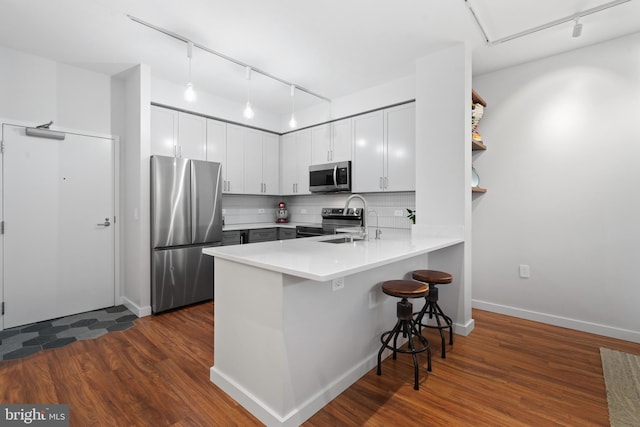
x,y
405,289
431,307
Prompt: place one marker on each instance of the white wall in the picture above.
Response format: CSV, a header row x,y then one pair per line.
x,y
135,191
37,90
443,171
393,92
562,174
172,94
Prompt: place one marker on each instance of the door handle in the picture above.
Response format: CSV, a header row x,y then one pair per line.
x,y
106,223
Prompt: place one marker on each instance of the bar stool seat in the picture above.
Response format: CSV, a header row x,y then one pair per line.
x,y
431,307
405,289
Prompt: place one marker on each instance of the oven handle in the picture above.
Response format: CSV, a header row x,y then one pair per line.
x,y
335,175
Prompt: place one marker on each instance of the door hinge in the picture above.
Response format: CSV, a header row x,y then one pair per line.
x,y
1,146
2,309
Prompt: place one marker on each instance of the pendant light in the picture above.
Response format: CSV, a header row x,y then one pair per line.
x,y
293,123
190,93
248,110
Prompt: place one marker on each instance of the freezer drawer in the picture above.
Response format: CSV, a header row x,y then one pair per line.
x,y
180,277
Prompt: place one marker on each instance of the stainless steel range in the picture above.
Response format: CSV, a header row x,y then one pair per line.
x,y
332,219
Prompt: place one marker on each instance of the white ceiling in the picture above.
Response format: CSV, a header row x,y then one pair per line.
x,y
331,47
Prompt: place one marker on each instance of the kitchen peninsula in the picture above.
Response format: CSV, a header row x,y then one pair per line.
x,y
298,321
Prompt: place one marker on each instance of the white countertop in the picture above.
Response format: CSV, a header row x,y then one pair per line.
x,y
313,259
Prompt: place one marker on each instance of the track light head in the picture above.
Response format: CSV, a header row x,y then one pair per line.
x,y
577,29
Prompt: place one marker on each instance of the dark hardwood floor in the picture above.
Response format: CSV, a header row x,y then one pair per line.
x,y
507,372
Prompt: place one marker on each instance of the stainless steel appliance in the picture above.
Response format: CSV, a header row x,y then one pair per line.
x,y
186,216
332,219
330,177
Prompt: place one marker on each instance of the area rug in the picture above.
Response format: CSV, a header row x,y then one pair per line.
x,y
622,380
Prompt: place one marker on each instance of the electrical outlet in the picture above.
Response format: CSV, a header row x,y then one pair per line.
x,y
224,211
303,211
260,210
525,272
398,213
337,284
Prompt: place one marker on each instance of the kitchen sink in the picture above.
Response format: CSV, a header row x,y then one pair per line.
x,y
345,239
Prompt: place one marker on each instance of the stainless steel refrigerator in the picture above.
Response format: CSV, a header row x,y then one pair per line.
x,y
186,216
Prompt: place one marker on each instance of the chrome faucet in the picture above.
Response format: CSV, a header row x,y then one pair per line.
x,y
378,231
364,233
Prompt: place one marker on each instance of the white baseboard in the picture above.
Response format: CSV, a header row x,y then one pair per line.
x,y
136,309
464,330
579,325
305,410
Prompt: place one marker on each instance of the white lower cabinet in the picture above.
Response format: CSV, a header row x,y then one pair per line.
x,y
295,161
384,150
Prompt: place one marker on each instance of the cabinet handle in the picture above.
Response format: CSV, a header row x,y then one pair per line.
x,y
386,182
328,155
380,184
175,151
331,155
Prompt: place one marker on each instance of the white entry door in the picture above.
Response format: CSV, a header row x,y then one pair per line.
x,y
59,236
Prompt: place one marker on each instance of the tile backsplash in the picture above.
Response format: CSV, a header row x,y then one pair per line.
x,y
391,208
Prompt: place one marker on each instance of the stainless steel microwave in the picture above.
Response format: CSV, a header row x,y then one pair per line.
x,y
330,177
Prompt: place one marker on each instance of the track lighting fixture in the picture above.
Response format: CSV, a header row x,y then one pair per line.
x,y
248,110
577,28
190,93
293,123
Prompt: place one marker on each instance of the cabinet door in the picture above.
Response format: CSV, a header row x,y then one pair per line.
x,y
303,144
271,163
217,144
164,131
288,164
341,140
400,137
320,144
192,137
235,159
368,139
253,162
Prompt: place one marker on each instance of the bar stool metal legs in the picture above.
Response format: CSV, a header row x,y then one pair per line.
x,y
431,307
405,325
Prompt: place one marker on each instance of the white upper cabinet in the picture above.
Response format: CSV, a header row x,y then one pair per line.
x,y
400,138
271,163
296,158
342,140
321,144
236,136
164,131
384,150
192,137
178,134
217,144
368,161
331,142
261,163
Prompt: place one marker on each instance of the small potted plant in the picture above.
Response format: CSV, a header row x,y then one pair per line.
x,y
411,214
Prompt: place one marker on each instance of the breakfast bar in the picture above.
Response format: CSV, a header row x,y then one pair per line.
x,y
298,321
